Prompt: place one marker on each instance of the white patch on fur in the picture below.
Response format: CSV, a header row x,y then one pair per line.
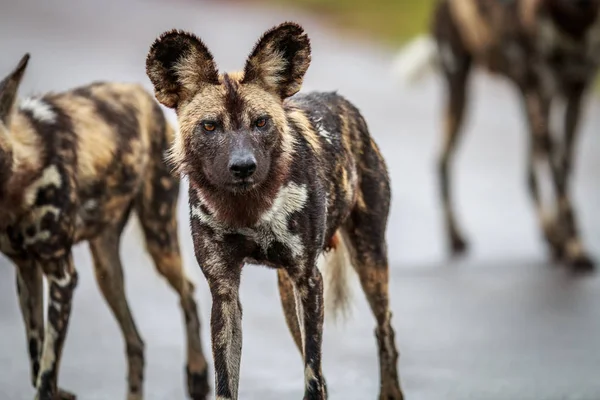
x,y
415,60
38,237
48,357
273,224
322,131
202,216
39,108
62,282
336,268
291,198
447,57
50,177
309,375
300,317
90,205
38,214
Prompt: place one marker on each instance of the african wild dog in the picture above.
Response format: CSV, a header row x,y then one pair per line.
x,y
550,50
276,180
74,166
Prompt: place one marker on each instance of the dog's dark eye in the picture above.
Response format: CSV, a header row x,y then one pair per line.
x,y
209,126
261,122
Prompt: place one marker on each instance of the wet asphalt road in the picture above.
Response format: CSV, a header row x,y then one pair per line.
x,y
500,324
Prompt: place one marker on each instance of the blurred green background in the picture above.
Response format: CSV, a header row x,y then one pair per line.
x,y
392,21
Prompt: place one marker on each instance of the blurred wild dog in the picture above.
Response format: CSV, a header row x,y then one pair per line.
x,y
550,50
277,180
74,166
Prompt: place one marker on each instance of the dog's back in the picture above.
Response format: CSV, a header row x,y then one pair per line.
x,y
347,155
105,139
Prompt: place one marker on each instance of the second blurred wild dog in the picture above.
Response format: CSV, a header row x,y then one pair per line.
x,y
277,180
74,166
550,50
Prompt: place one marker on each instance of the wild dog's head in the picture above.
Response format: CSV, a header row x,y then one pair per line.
x,y
8,94
573,16
233,135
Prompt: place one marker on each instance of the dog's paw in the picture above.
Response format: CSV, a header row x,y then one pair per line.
x,y
198,386
581,264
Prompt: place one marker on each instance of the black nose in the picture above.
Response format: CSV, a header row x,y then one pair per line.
x,y
242,167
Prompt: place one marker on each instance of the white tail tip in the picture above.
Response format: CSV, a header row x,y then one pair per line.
x,y
415,60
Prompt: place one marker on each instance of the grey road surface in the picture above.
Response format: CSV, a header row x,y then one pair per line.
x,y
501,324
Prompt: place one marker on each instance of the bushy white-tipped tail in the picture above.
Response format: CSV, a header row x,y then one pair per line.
x,y
336,270
415,60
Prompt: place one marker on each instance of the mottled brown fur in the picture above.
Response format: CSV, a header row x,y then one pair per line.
x,y
550,50
78,163
277,178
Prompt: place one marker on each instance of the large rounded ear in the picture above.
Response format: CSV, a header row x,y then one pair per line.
x,y
279,60
178,64
9,87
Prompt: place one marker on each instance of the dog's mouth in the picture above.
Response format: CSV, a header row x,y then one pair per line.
x,y
242,185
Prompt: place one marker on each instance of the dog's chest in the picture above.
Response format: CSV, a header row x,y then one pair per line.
x,y
277,231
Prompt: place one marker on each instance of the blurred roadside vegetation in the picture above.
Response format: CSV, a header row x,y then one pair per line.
x,y
391,21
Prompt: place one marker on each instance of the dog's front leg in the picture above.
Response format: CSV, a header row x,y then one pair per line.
x,y
62,279
309,305
31,301
226,327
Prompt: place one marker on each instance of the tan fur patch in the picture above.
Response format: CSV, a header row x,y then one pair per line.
x,y
96,140
301,121
235,76
475,31
25,143
261,102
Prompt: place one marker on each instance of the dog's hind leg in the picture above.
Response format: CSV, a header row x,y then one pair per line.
x,y
575,253
364,235
157,210
156,207
541,168
109,275
456,67
31,302
288,302
370,261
